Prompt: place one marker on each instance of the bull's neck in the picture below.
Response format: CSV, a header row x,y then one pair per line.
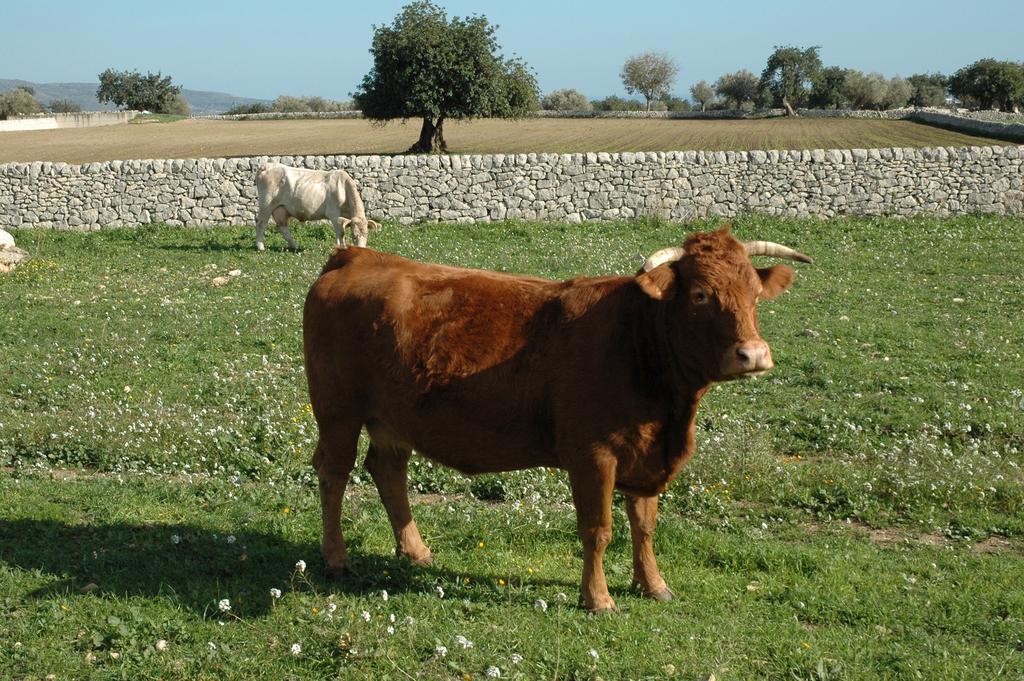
x,y
677,385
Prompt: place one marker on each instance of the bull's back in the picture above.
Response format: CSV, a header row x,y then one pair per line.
x,y
444,358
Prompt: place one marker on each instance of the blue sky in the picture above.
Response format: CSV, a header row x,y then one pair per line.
x,y
313,47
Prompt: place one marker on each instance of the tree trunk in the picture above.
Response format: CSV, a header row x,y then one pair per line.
x,y
431,138
648,103
789,109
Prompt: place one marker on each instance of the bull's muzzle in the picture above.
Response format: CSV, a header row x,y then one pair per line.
x,y
747,359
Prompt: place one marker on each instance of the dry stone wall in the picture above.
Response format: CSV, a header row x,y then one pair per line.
x,y
572,187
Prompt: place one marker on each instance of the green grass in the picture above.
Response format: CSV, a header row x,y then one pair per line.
x,y
858,513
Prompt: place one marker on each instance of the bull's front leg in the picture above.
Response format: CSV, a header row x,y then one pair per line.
x,y
643,518
592,494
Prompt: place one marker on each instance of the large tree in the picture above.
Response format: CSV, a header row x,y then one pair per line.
x,y
702,94
739,87
929,89
988,83
567,99
829,90
21,101
650,74
131,90
789,73
430,67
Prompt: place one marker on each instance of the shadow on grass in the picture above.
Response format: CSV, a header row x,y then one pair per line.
x,y
196,568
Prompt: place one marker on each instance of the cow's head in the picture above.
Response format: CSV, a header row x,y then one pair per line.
x,y
361,227
710,290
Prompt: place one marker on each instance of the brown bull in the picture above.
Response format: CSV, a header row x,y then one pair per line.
x,y
488,372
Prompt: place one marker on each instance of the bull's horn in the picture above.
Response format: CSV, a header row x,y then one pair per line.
x,y
773,249
663,256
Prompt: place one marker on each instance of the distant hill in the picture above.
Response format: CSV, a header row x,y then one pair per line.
x,y
84,95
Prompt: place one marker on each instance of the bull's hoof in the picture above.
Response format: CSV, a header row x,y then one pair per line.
x,y
601,606
424,561
662,595
336,574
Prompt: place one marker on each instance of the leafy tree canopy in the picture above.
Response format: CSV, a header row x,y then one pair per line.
x,y
20,101
789,73
131,90
988,83
703,94
650,74
739,87
428,66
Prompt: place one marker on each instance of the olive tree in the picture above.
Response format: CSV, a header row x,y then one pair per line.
x,y
430,67
21,101
739,87
703,94
650,74
567,99
929,89
788,75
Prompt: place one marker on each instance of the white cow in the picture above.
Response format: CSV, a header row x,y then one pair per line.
x,y
286,192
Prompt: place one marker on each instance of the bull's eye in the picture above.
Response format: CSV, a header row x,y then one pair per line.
x,y
698,296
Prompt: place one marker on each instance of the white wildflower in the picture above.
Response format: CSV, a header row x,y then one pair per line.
x,y
561,597
175,539
230,539
390,630
408,620
383,595
440,650
211,645
161,645
439,591
493,673
461,640
296,648
516,658
300,566
541,604
224,605
365,616
331,607
593,654
275,593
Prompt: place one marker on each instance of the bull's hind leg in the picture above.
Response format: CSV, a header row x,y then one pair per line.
x,y
643,518
389,466
281,218
334,458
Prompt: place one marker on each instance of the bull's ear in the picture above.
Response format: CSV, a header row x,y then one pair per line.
x,y
774,280
659,283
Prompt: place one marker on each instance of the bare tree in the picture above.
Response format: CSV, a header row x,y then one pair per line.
x,y
651,74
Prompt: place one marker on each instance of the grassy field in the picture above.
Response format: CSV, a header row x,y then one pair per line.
x,y
856,514
211,138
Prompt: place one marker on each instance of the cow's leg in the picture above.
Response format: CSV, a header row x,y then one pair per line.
x,y
334,458
261,226
281,218
592,494
389,466
643,518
